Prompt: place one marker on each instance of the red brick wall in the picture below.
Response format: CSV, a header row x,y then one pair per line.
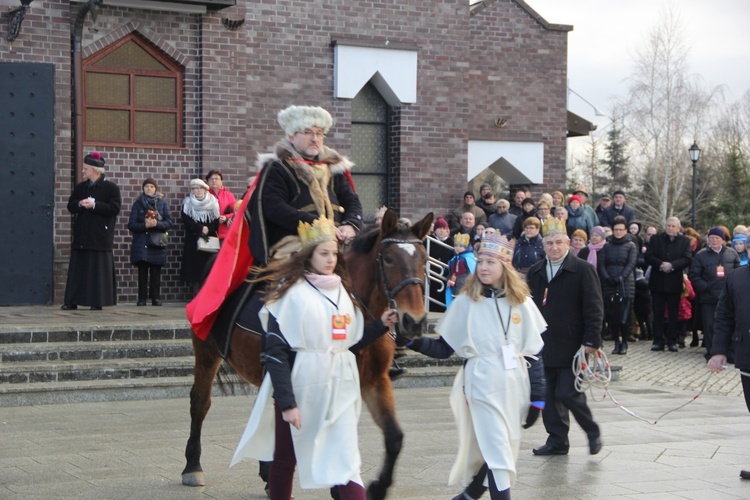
x,y
472,69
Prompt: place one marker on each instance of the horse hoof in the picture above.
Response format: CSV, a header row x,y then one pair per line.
x,y
376,491
193,479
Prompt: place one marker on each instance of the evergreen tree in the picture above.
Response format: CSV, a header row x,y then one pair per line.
x,y
614,157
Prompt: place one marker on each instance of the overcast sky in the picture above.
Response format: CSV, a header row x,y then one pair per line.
x,y
606,34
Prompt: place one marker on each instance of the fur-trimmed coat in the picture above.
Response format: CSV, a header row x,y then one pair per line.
x,y
291,190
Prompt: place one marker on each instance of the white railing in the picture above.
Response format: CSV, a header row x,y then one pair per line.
x,y
436,272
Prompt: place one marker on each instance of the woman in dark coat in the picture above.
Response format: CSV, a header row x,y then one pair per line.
x,y
200,214
95,203
146,253
616,271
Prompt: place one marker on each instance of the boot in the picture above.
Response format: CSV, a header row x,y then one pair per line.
x,y
616,350
623,347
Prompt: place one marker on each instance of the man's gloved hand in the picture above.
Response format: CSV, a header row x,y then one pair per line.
x,y
534,410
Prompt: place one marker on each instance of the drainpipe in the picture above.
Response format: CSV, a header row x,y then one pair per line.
x,y
76,35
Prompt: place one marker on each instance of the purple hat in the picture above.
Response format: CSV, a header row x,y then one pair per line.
x,y
717,231
598,230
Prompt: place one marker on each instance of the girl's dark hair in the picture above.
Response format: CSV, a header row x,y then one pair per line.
x,y
214,172
280,275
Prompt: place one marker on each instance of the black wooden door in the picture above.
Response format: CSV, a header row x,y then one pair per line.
x,y
27,173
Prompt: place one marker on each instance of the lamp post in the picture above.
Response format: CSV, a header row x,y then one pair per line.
x,y
695,153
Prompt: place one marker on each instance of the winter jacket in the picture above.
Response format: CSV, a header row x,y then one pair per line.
x,y
94,229
676,251
227,201
616,262
527,252
607,217
703,272
503,222
732,324
140,250
579,219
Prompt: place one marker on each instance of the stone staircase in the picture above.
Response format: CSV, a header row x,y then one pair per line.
x,y
106,363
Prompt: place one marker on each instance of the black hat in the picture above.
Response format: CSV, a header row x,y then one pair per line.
x,y
605,196
469,193
94,159
619,191
150,181
528,200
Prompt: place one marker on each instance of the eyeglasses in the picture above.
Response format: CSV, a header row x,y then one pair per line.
x,y
311,133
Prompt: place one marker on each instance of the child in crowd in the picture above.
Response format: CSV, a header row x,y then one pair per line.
x,y
459,267
739,243
493,324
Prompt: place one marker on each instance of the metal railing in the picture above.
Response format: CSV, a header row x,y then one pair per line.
x,y
436,272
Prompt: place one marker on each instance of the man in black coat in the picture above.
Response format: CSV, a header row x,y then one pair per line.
x,y
708,272
618,207
566,290
668,254
732,328
94,203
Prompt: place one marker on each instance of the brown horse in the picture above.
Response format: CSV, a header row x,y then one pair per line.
x,y
387,267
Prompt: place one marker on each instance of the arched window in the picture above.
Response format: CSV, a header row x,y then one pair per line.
x,y
370,149
132,95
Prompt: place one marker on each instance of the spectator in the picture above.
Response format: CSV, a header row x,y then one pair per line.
x,y
518,199
685,313
566,291
467,206
529,248
561,213
739,229
478,235
708,273
668,254
466,225
642,305
226,199
94,203
634,230
200,215
616,273
596,242
487,201
502,220
558,199
618,207
150,219
545,197
696,244
543,209
604,202
460,267
577,217
732,332
444,255
739,244
529,210
578,241
650,231
588,210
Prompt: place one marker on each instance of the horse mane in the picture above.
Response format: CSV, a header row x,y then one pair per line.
x,y
363,242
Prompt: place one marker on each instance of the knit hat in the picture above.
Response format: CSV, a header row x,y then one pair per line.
x,y
440,222
739,238
573,198
199,182
298,118
528,201
95,160
485,185
598,230
150,181
469,193
717,231
498,247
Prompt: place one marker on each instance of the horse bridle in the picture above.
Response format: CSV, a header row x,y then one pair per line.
x,y
391,294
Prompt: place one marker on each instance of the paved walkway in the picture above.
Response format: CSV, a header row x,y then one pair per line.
x,y
134,449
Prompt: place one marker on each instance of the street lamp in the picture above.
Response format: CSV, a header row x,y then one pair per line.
x,y
695,153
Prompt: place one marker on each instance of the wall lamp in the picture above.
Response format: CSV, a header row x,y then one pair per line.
x,y
15,18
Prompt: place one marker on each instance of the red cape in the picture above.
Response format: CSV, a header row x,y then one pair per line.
x,y
230,269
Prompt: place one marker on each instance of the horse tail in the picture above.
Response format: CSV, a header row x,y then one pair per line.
x,y
230,382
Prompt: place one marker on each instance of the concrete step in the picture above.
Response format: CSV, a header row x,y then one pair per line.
x,y
72,351
94,333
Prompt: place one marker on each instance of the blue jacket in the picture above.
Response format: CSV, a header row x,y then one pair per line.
x,y
139,249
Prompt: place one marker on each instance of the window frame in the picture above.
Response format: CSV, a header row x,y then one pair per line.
x,y
174,71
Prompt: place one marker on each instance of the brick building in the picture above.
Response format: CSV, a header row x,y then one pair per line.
x,y
424,95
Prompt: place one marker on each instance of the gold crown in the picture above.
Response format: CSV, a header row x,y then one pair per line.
x,y
320,231
498,247
461,239
553,226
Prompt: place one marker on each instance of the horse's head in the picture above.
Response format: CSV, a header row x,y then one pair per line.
x,y
401,267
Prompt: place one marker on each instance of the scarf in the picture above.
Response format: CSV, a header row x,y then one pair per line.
x,y
592,258
323,281
149,202
205,210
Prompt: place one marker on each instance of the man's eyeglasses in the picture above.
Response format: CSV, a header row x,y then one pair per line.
x,y
311,133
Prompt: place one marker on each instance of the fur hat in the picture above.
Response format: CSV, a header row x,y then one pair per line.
x,y
298,118
199,182
96,160
150,181
440,222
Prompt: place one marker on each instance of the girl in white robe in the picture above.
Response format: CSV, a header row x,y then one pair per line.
x,y
493,324
312,326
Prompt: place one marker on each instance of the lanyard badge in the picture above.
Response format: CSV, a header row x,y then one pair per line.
x,y
338,326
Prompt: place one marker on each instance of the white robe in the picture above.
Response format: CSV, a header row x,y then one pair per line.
x,y
325,380
489,402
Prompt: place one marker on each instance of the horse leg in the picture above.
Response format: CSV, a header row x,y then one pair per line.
x,y
207,362
380,402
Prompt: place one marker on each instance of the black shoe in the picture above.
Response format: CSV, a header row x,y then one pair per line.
x,y
546,449
395,373
694,342
68,307
623,348
657,347
616,350
96,308
595,445
156,302
141,303
681,344
672,348
745,474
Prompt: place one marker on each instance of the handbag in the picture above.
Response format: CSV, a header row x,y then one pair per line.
x,y
158,240
617,305
211,245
